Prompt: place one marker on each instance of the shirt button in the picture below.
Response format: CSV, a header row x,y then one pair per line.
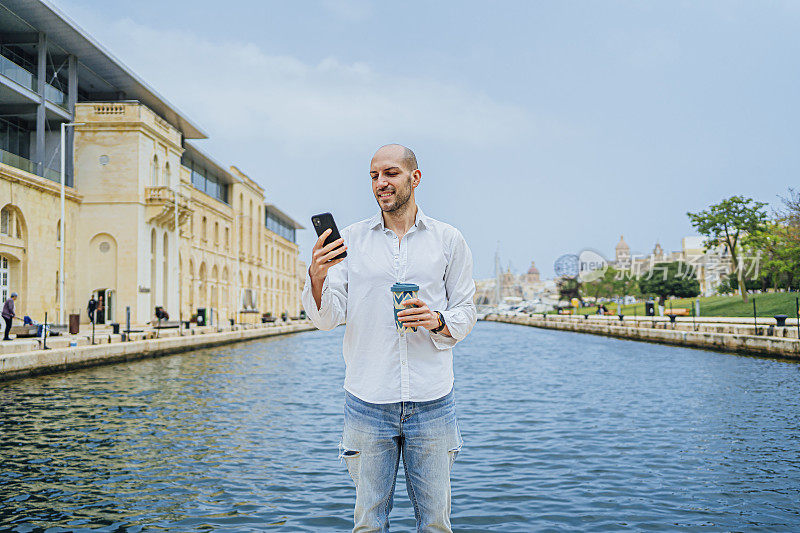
x,y
404,363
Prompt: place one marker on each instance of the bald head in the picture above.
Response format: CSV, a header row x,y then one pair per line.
x,y
404,154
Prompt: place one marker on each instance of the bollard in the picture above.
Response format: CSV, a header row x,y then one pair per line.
x,y
44,333
797,315
780,320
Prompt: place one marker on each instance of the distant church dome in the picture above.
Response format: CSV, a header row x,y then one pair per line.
x,y
622,245
533,269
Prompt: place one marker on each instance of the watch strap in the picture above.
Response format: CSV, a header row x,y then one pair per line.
x,y
441,325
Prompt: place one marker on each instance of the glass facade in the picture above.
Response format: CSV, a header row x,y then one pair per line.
x,y
17,66
15,138
206,181
277,225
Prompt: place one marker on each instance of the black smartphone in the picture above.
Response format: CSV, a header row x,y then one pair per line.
x,y
325,221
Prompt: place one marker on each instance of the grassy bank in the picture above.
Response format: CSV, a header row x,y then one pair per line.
x,y
767,305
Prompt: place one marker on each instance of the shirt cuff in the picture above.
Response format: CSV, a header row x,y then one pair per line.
x,y
308,299
443,342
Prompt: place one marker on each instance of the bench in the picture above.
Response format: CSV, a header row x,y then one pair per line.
x,y
678,311
165,324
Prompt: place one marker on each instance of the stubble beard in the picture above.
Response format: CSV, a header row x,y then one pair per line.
x,y
401,199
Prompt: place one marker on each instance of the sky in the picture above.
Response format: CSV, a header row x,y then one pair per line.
x,y
540,128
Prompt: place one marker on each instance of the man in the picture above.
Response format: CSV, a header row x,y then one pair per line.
x,y
399,397
91,307
8,315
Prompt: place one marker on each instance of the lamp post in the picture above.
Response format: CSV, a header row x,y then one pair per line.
x,y
61,222
177,260
238,297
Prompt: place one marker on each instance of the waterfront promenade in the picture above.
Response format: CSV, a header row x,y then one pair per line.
x,y
723,334
27,357
562,432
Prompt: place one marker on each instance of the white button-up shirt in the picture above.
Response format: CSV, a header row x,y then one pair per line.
x,y
383,365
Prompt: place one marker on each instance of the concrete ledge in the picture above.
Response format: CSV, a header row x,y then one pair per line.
x,y
61,357
772,346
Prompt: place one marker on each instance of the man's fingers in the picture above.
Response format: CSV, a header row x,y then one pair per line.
x,y
414,301
322,237
336,261
330,246
330,255
413,311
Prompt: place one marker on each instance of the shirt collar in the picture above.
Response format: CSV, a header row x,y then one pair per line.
x,y
421,220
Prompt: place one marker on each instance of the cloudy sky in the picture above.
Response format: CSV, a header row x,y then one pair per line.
x,y
540,127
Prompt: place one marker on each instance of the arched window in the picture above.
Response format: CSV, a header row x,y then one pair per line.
x,y
227,238
250,222
167,175
154,172
216,234
165,274
203,228
6,221
153,266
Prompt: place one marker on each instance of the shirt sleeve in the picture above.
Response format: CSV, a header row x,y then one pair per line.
x,y
460,314
333,302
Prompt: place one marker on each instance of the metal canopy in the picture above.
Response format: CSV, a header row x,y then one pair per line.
x,y
95,64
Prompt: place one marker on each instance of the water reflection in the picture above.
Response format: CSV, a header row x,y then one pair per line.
x,y
561,430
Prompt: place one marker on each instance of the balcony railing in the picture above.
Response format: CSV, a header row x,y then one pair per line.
x,y
54,95
17,161
14,72
27,79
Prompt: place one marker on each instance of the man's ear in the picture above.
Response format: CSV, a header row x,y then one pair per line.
x,y
416,176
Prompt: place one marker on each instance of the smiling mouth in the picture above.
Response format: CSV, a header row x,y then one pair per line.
x,y
385,194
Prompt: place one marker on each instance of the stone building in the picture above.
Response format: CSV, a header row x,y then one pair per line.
x,y
710,266
150,219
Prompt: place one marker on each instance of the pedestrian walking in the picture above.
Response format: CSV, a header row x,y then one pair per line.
x,y
9,315
399,394
91,307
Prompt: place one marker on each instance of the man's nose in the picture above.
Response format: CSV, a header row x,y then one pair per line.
x,y
382,181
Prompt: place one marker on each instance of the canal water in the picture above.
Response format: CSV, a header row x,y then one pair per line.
x,y
562,431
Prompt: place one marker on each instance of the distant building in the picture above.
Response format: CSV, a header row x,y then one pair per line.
x,y
150,219
710,266
528,286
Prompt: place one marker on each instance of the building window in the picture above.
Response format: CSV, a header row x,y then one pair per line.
x,y
5,221
279,226
203,228
154,172
4,283
207,181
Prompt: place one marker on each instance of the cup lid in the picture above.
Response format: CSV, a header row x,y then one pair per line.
x,y
404,287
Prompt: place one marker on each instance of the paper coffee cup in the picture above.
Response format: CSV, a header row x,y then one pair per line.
x,y
400,293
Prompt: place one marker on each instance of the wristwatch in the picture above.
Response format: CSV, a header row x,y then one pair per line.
x,y
441,325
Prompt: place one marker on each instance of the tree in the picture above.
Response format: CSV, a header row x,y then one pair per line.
x,y
613,283
671,279
728,222
778,242
569,288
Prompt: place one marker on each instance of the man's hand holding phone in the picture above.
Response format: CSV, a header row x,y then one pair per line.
x,y
322,258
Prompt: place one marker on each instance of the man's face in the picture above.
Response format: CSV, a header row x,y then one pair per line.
x,y
392,182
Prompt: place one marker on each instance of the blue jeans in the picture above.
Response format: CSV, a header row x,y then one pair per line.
x,y
374,436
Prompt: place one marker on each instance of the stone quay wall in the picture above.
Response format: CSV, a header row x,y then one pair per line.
x,y
112,349
713,334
